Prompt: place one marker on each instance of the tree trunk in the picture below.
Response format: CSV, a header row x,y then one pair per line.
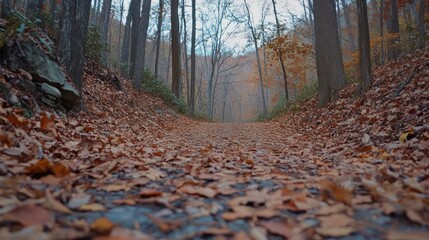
x,y
364,46
280,54
193,45
71,45
351,39
330,69
382,30
175,45
141,45
5,8
158,36
120,28
421,24
255,43
135,20
126,43
393,29
104,23
185,53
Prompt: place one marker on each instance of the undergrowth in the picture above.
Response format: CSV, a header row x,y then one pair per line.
x,y
158,89
282,107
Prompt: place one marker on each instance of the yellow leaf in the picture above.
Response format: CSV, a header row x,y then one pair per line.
x,y
403,137
102,225
94,207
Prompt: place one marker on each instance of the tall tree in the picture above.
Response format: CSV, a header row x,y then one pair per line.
x,y
121,16
364,46
421,24
193,46
279,52
127,41
141,45
135,20
258,59
175,45
330,69
71,44
347,17
5,8
105,19
393,29
158,35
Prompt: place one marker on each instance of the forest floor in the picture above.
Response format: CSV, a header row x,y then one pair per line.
x,y
131,168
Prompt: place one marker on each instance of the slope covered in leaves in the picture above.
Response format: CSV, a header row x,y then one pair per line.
x,y
130,168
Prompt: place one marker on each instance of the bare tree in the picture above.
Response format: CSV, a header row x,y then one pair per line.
x,y
141,45
158,35
351,39
193,46
421,24
71,45
280,54
255,43
175,45
393,29
330,69
364,46
104,20
127,41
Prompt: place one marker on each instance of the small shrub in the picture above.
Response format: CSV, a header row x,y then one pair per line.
x,y
158,89
94,46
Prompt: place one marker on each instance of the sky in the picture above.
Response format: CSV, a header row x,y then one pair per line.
x,y
284,7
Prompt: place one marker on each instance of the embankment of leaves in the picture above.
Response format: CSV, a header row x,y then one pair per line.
x,y
397,104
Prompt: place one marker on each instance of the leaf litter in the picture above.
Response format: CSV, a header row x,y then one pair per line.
x,y
130,168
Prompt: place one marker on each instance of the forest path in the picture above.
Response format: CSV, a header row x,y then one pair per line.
x,y
219,181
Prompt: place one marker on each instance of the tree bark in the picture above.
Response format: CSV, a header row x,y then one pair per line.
x,y
255,43
364,46
280,54
351,39
393,28
71,45
126,43
175,45
193,67
421,24
135,20
104,23
120,27
330,69
141,46
158,36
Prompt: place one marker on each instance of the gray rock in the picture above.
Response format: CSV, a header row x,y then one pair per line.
x,y
50,90
49,102
44,70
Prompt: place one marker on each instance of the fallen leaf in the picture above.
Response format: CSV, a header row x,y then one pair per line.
x,y
102,225
278,228
335,221
55,205
46,121
201,191
335,232
78,200
409,235
94,207
29,215
339,193
116,188
148,192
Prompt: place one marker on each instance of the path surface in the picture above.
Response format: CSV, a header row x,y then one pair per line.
x,y
240,181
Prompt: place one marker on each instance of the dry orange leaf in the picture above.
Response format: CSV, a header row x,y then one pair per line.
x,y
148,192
44,167
278,228
102,225
46,121
330,188
201,191
94,207
414,235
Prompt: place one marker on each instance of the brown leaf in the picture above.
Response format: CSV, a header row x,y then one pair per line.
x,y
116,188
335,220
46,122
335,232
94,207
148,192
29,215
201,191
164,225
55,205
278,228
102,225
410,235
339,193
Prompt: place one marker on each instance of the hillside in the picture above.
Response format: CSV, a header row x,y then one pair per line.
x,y
128,167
